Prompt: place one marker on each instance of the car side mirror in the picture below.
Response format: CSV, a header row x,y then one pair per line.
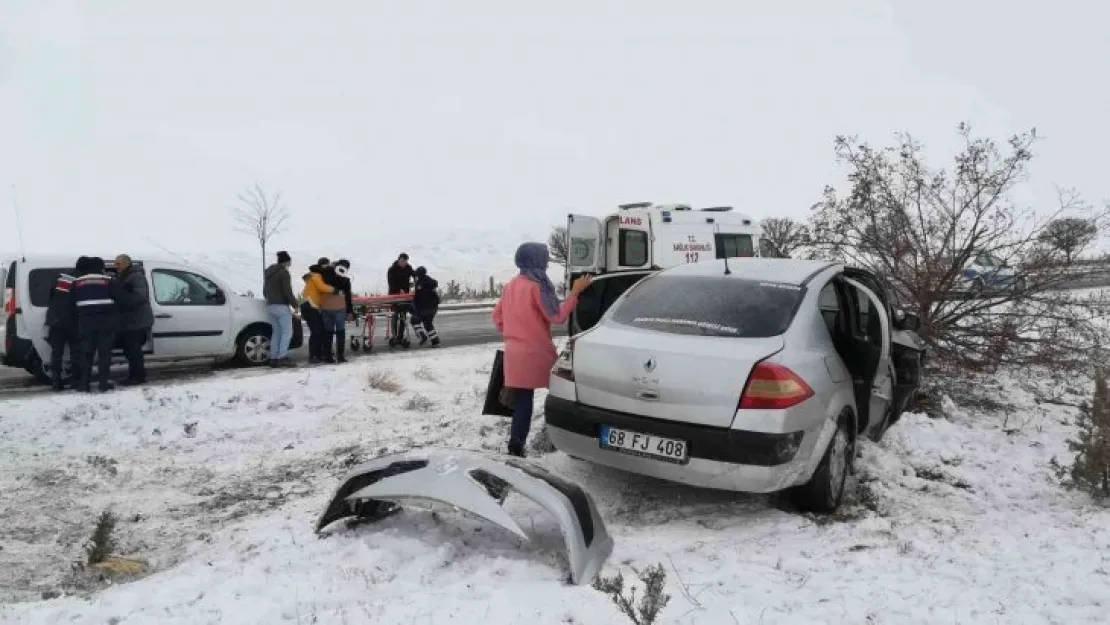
x,y
907,321
218,297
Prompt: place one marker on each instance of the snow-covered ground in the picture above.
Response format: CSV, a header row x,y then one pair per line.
x,y
955,519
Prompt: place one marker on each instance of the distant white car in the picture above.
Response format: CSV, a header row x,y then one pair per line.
x,y
987,272
195,315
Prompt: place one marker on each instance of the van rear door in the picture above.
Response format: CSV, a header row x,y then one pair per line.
x,y
7,291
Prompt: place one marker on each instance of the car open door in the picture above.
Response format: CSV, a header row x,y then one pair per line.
x,y
882,387
192,314
599,297
585,249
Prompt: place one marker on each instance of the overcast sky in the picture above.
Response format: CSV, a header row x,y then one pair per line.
x,y
128,120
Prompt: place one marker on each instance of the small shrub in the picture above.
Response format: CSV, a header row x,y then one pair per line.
x,y
103,463
653,601
102,541
419,403
1090,471
423,372
384,381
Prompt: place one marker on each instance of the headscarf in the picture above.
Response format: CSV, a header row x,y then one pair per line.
x,y
531,259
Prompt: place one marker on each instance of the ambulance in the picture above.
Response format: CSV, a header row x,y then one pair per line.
x,y
639,239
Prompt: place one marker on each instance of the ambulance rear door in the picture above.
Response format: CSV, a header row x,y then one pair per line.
x,y
585,252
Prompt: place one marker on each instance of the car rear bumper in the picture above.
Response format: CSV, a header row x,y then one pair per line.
x,y
719,458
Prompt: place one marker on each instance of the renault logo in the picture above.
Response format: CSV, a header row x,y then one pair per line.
x,y
649,366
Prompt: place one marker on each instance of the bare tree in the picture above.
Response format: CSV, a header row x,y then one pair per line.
x,y
1068,235
260,216
786,234
921,229
558,245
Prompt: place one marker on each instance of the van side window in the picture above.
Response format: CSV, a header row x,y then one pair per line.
x,y
40,282
734,245
184,288
767,249
632,248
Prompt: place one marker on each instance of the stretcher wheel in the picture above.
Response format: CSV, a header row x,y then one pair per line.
x,y
356,343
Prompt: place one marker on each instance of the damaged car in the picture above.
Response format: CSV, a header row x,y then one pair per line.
x,y
755,376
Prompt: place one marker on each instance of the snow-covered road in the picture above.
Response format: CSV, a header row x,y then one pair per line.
x,y
218,483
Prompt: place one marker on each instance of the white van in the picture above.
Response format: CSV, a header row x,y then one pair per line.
x,y
195,315
640,239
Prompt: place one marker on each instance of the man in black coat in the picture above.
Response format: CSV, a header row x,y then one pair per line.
x,y
97,317
425,303
136,318
62,331
399,278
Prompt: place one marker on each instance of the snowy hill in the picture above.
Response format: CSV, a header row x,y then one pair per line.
x,y
469,257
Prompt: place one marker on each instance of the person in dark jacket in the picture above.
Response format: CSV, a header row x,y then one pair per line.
x,y
425,303
136,318
97,318
336,308
280,304
400,275
399,279
62,331
315,288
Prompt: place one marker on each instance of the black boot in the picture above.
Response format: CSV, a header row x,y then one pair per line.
x,y
516,449
340,351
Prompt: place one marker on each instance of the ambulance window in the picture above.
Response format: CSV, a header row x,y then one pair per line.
x,y
632,250
735,246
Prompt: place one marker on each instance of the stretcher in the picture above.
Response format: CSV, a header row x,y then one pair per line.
x,y
375,310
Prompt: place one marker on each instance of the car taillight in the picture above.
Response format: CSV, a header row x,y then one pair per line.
x,y
564,364
773,387
9,302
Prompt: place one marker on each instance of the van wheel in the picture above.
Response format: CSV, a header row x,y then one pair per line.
x,y
825,490
253,346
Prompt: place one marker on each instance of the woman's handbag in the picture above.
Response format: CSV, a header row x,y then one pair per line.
x,y
499,398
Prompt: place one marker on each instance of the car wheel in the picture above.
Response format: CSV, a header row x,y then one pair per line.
x,y
253,347
825,490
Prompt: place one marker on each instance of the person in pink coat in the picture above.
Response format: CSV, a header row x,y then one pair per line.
x,y
524,315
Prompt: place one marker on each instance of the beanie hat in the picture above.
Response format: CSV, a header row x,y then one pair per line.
x,y
421,271
283,257
323,261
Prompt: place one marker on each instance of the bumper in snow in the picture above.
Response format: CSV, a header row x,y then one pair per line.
x,y
474,482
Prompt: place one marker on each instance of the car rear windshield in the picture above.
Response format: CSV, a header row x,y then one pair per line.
x,y
710,306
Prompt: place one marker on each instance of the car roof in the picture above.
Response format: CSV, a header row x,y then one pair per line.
x,y
62,260
783,270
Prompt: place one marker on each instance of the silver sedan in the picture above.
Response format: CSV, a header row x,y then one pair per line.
x,y
752,375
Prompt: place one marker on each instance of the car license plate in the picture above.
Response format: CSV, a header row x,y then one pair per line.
x,y
643,445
